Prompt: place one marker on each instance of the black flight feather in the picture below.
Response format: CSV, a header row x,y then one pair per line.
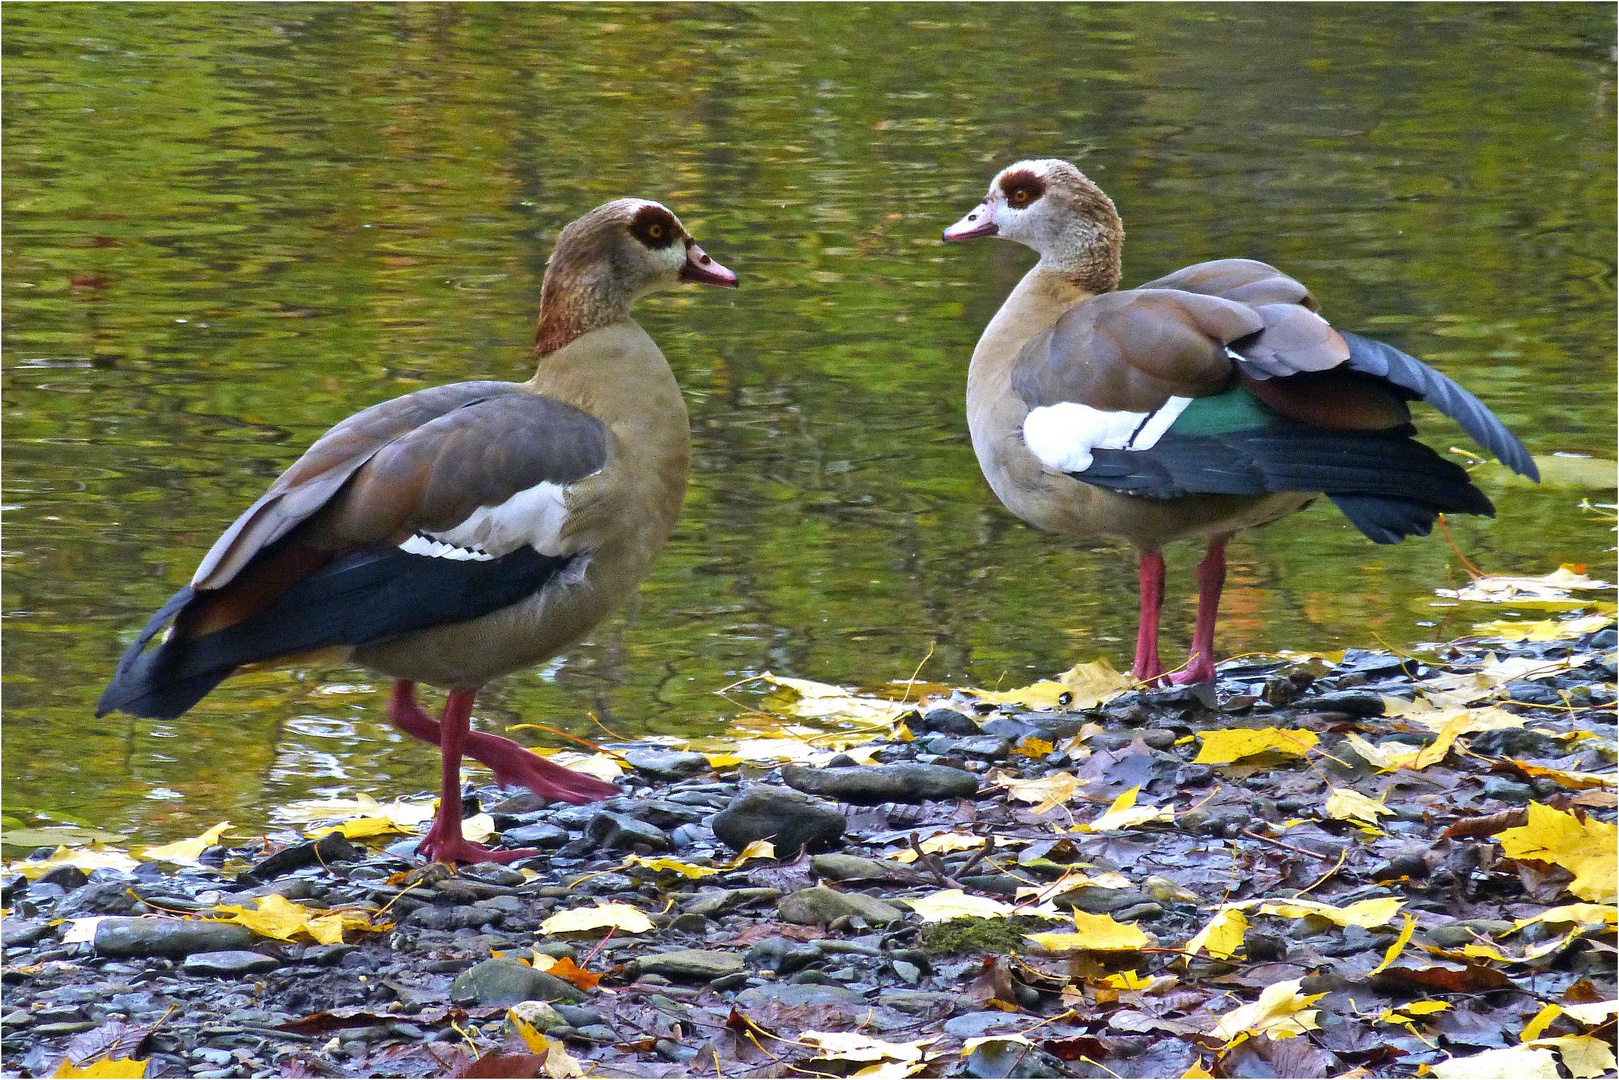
x,y
1443,393
356,599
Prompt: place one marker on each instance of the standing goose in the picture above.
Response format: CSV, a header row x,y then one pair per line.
x,y
463,532
1204,402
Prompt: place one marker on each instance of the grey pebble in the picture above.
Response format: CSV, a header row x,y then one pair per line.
x,y
668,765
167,937
229,963
870,785
787,818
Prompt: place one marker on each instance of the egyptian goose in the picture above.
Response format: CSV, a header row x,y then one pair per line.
x,y
1207,401
463,532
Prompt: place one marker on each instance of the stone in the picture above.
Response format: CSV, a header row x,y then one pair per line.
x,y
786,818
503,982
1514,742
798,994
117,936
1352,702
699,965
229,963
919,1002
819,905
712,902
522,802
618,831
325,851
68,877
539,835
538,1015
1499,787
1011,1059
668,765
838,867
985,748
24,932
869,785
783,955
947,722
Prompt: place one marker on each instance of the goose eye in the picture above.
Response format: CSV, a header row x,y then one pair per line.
x,y
1020,196
656,232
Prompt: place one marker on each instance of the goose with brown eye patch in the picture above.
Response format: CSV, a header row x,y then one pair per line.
x,y
1208,401
461,532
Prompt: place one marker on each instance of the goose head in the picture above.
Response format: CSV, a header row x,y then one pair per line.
x,y
606,259
1051,207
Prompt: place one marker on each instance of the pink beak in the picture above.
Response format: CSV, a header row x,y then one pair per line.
x,y
700,268
977,223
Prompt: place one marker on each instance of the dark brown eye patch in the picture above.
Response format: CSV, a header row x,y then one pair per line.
x,y
655,227
1022,188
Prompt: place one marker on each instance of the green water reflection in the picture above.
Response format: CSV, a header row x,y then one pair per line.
x,y
226,227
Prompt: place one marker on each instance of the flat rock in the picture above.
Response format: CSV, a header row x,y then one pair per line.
x,y
869,785
947,722
812,907
231,962
794,994
538,1015
20,932
786,818
119,936
618,831
838,867
503,982
539,835
668,764
328,849
698,964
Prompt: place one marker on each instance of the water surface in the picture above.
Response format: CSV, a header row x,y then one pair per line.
x,y
226,227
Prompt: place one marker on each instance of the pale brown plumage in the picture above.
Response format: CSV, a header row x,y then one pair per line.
x,y
462,532
1209,400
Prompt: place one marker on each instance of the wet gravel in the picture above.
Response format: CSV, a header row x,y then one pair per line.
x,y
826,935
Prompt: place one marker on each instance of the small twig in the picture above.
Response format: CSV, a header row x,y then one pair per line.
x,y
932,865
1285,847
978,856
1472,570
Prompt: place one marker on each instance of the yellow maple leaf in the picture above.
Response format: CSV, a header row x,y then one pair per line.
x,y
682,868
1379,911
818,701
1397,946
946,842
1578,914
1222,937
852,1046
283,920
89,858
1229,745
1416,758
1577,780
621,917
1281,1012
1590,849
1408,1012
950,904
357,828
406,815
758,849
1542,629
1129,980
1346,804
1048,792
107,1068
1124,813
1100,933
1083,686
1511,1063
1584,1056
185,851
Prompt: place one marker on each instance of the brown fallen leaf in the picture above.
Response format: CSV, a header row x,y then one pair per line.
x,y
503,1067
1487,825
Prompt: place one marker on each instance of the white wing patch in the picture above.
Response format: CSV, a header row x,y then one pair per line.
x,y
1062,436
533,516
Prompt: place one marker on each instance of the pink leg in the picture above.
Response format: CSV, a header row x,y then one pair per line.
x,y
1147,668
1210,579
444,841
512,764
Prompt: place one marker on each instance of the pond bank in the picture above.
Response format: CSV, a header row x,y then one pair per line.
x,y
1351,853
